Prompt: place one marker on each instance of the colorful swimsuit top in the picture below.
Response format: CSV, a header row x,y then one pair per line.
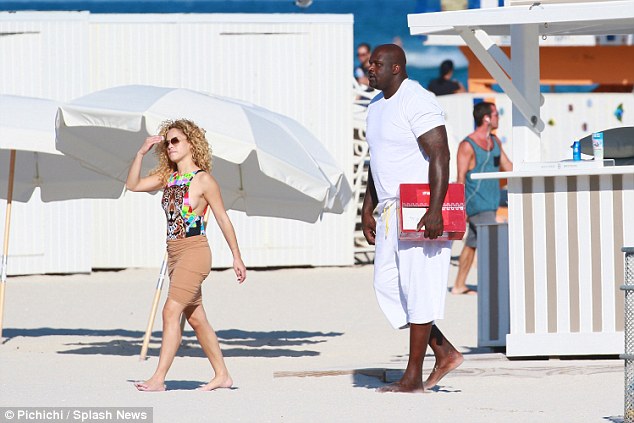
x,y
182,222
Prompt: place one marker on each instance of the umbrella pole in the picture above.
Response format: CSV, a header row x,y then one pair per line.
x,y
7,226
157,297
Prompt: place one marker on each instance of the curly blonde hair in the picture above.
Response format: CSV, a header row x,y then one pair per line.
x,y
201,150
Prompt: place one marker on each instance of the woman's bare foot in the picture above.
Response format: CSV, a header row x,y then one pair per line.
x,y
150,386
217,382
465,291
440,370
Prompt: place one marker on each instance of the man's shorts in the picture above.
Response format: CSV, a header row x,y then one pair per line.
x,y
410,277
478,219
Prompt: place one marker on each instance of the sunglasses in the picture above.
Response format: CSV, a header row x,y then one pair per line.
x,y
174,141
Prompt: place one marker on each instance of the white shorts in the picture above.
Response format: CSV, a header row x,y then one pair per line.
x,y
410,277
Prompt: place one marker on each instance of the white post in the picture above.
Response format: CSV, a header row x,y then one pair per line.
x,y
525,76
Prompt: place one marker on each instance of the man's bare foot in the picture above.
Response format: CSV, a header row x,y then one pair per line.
x,y
401,386
440,370
465,291
150,386
216,383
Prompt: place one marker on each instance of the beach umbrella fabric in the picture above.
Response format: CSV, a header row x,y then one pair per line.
x,y
27,126
266,164
29,160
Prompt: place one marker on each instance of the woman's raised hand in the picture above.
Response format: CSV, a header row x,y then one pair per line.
x,y
150,142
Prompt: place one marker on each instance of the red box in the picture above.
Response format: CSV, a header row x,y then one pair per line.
x,y
413,203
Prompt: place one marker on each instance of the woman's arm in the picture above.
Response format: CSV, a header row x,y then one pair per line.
x,y
134,181
211,193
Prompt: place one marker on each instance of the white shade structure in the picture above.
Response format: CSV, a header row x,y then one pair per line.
x,y
266,164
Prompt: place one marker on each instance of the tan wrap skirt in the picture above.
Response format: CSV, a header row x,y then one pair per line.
x,y
189,263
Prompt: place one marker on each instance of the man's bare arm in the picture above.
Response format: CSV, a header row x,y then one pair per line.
x,y
436,146
370,201
463,160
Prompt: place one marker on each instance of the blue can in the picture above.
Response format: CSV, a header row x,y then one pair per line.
x,y
576,151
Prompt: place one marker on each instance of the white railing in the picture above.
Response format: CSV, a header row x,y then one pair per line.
x,y
362,95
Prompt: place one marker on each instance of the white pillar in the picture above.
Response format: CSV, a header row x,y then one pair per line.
x,y
525,76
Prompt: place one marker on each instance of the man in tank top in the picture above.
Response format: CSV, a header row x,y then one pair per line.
x,y
481,151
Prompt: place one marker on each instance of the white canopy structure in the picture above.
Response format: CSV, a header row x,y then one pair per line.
x,y
525,24
566,18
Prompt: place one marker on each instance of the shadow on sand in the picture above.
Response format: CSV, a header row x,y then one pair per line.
x,y
368,378
234,342
375,378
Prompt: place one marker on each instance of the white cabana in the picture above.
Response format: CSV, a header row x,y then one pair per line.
x,y
567,223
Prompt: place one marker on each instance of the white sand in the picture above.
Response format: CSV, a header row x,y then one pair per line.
x,y
303,345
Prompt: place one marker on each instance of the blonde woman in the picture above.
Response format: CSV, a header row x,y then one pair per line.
x,y
188,189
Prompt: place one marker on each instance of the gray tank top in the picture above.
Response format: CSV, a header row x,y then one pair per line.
x,y
483,194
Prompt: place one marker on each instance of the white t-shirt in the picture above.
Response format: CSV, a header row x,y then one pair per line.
x,y
393,127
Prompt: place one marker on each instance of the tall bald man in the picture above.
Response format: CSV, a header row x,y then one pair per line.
x,y
408,144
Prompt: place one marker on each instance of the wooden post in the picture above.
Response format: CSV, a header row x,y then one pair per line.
x,y
157,297
7,226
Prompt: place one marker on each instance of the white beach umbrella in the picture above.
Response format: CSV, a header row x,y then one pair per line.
x,y
29,160
266,164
